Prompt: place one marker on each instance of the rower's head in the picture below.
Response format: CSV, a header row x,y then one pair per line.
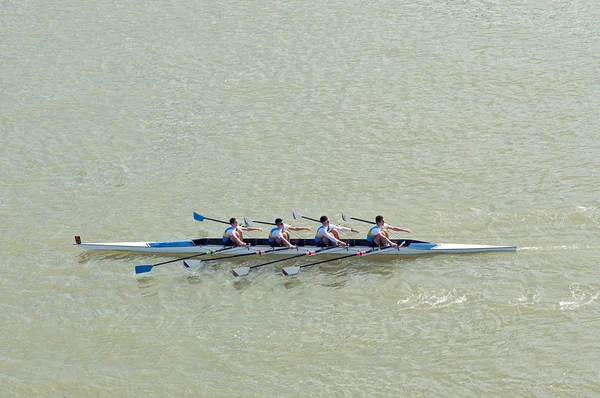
x,y
324,219
379,219
279,222
232,221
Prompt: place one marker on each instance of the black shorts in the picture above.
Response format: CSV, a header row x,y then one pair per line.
x,y
228,242
274,244
373,244
322,244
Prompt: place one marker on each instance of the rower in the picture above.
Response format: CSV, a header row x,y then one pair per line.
x,y
279,236
234,234
378,234
327,234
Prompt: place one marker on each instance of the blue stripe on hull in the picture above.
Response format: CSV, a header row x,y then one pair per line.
x,y
422,246
181,243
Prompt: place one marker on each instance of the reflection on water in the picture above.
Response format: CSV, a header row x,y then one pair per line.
x,y
125,258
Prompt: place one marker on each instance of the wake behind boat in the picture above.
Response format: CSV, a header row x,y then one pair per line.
x,y
208,245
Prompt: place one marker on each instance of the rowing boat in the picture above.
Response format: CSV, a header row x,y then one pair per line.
x,y
207,245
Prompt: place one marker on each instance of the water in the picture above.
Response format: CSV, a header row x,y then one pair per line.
x,y
466,122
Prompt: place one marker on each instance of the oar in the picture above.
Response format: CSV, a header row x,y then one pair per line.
x,y
294,270
250,221
141,269
243,271
347,218
298,216
195,263
190,264
200,217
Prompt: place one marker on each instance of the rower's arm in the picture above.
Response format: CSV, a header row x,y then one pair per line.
x,y
237,240
251,229
398,229
299,228
346,229
329,236
287,242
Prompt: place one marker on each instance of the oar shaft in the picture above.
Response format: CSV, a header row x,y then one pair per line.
x,y
246,254
277,261
141,269
363,253
223,258
315,220
365,221
263,222
333,259
200,217
195,255
294,270
311,219
215,220
241,271
298,215
369,222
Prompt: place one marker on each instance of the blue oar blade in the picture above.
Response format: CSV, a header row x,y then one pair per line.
x,y
140,269
198,217
241,271
191,263
287,271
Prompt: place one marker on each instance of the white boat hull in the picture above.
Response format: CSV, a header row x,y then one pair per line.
x,y
410,247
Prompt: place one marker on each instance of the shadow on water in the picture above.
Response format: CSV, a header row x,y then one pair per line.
x,y
148,286
378,267
149,283
334,274
257,276
196,275
383,270
194,279
292,282
242,283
